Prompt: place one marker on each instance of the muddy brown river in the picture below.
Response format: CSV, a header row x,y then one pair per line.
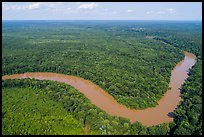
x,y
100,98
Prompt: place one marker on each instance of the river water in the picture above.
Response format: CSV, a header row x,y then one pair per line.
x,y
100,98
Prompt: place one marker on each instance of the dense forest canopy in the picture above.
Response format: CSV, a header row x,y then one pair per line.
x,y
42,115
131,60
117,57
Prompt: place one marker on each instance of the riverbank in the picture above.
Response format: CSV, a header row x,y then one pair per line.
x,y
100,98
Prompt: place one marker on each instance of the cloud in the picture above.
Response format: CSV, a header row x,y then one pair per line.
x,y
70,10
88,6
77,9
7,7
63,7
129,10
149,12
167,11
34,5
171,10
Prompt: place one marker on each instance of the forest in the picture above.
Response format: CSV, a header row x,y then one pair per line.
x,y
42,116
117,56
125,68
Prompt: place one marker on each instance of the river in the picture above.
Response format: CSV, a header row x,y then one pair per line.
x,y
100,98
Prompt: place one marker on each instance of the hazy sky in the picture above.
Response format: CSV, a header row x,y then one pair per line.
x,y
102,11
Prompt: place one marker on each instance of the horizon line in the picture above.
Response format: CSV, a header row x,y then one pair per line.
x,y
89,20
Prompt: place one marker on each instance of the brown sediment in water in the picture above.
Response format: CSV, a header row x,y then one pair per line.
x,y
100,98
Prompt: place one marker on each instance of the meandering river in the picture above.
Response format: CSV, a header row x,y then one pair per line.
x,y
100,98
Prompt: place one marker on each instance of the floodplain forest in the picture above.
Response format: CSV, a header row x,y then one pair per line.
x,y
130,60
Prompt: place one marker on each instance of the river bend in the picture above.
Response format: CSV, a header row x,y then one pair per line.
x,y
103,100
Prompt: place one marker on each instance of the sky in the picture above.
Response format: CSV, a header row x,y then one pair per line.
x,y
101,10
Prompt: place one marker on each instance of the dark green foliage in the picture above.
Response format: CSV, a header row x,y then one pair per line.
x,y
133,69
27,111
117,56
68,98
189,113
